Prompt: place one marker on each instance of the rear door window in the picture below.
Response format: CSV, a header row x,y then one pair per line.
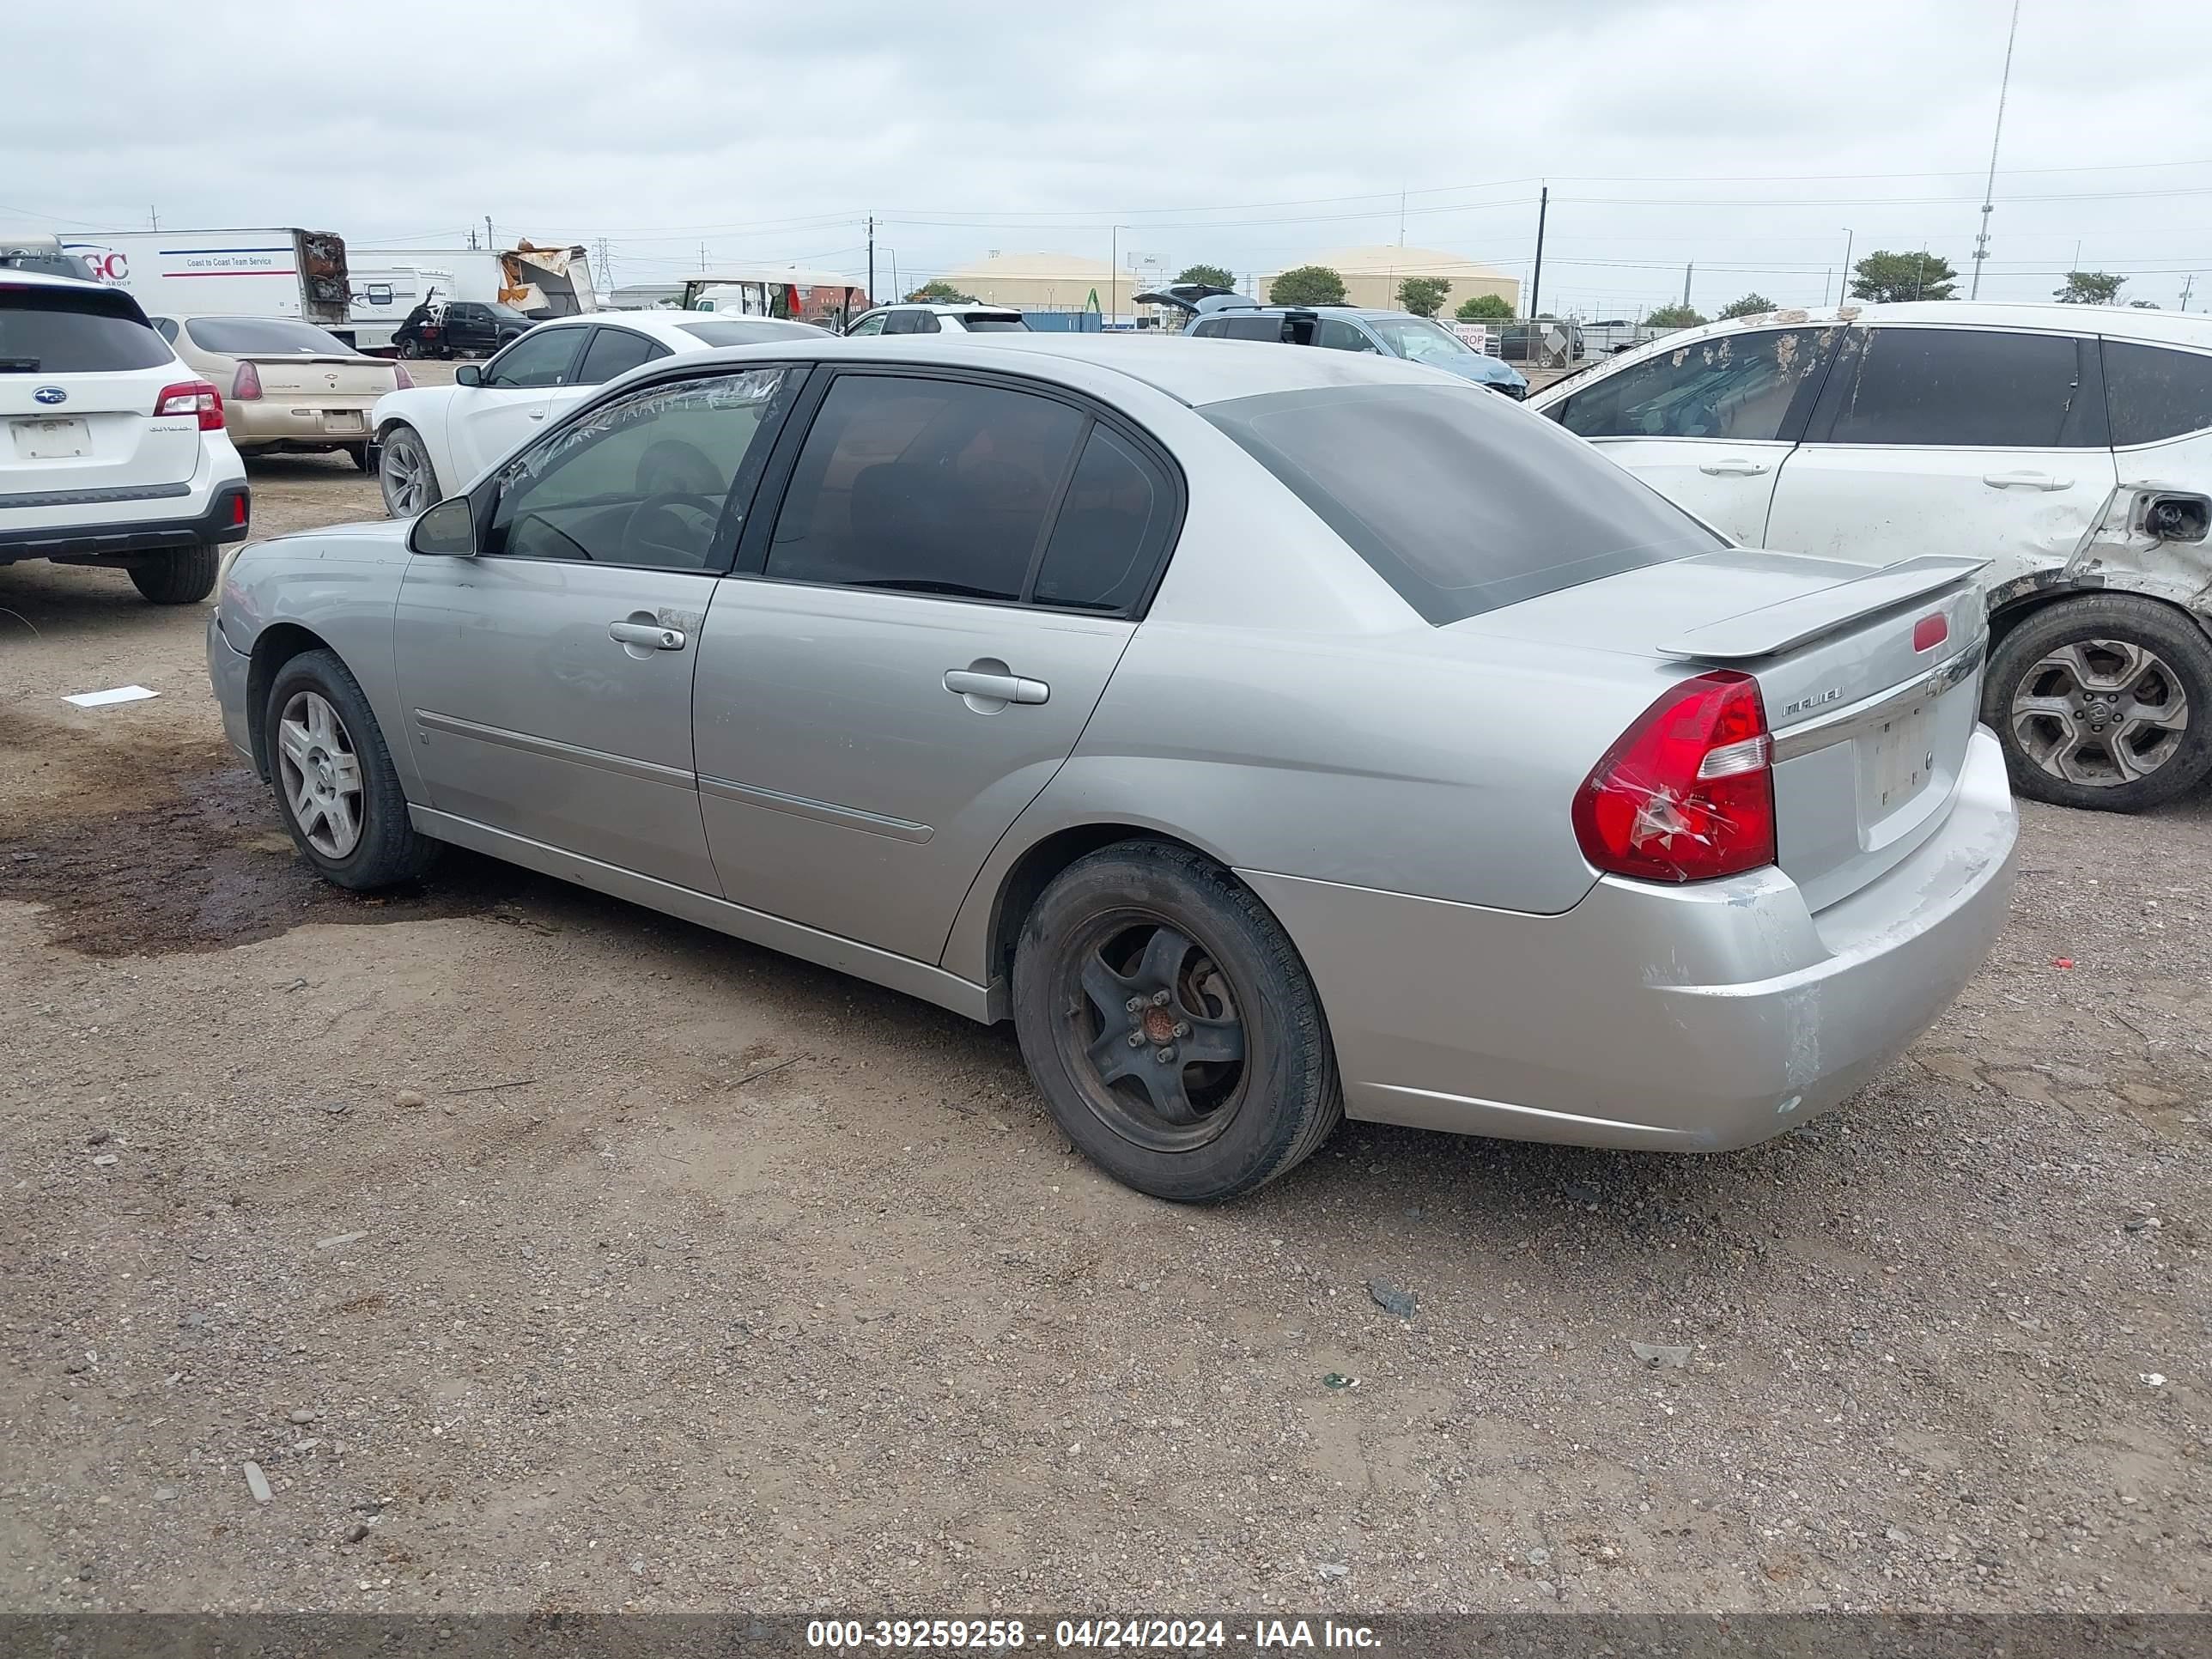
x,y
2154,392
71,332
1963,388
925,485
1455,496
1113,528
616,351
1334,334
1254,328
1744,388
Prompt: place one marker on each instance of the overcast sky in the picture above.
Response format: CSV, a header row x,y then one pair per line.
x,y
1747,138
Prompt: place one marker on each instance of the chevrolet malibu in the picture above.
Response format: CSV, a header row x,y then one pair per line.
x,y
1272,736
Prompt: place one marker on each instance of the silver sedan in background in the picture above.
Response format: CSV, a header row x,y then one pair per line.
x,y
1271,735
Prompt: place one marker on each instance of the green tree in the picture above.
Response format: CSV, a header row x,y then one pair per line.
x,y
1484,308
1211,275
1917,275
2089,288
2146,305
936,292
1750,306
1673,317
1307,285
1424,296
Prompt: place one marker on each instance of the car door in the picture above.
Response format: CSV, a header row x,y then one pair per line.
x,y
511,397
1708,422
547,679
1944,439
909,652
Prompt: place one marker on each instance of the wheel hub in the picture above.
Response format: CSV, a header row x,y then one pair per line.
x,y
1160,1039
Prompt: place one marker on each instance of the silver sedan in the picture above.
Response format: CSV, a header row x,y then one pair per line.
x,y
1273,736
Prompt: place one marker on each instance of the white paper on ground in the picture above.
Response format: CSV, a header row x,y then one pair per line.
x,y
118,694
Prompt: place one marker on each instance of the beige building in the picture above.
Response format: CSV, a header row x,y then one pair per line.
x,y
1371,275
1050,282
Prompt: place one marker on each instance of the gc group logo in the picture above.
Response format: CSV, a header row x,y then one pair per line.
x,y
106,264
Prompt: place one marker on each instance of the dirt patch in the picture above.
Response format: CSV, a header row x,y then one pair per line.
x,y
162,852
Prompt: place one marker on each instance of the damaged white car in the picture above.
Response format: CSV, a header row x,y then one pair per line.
x,y
2071,445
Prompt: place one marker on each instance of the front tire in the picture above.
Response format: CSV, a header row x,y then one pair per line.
x,y
182,578
333,778
2103,702
404,473
1171,1026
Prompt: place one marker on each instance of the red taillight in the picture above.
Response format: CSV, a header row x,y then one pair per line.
x,y
192,398
1931,631
401,379
237,510
1687,792
246,383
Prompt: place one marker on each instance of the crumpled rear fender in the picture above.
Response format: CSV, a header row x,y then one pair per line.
x,y
2119,554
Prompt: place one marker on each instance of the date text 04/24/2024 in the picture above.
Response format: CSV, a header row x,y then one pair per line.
x,y
1158,1635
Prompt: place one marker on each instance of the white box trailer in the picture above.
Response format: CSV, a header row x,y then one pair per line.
x,y
281,272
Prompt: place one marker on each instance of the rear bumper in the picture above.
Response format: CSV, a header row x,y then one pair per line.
x,y
1693,1018
224,518
274,422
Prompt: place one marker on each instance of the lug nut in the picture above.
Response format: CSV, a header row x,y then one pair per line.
x,y
1136,1039
1159,998
1134,1004
1182,1028
1163,1055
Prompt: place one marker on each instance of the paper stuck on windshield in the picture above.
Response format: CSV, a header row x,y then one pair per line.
x,y
117,694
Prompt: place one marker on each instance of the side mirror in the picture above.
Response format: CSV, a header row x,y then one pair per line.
x,y
468,375
449,528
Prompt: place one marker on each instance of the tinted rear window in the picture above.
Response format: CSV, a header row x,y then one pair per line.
x,y
2154,393
63,331
264,336
995,325
1460,500
1977,388
754,332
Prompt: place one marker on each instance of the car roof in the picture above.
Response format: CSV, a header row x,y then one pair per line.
x,y
2114,322
46,279
941,306
1192,372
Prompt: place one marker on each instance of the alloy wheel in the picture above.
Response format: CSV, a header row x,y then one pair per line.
x,y
2100,713
320,775
1152,1032
405,475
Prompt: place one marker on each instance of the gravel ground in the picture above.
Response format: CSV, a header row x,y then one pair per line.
x,y
541,1252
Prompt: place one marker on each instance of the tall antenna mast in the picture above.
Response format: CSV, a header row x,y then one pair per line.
x,y
1989,190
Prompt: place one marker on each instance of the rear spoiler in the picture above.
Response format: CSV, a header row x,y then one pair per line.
x,y
1790,622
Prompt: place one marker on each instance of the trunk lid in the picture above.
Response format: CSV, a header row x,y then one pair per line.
x,y
294,375
81,371
1870,680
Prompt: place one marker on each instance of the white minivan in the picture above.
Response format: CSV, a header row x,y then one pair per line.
x,y
114,452
2071,445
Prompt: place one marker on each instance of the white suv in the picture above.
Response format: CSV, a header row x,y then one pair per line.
x,y
114,453
917,318
2069,445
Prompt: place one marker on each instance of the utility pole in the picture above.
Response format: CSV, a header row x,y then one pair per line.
x,y
872,259
2004,83
1402,220
489,241
2187,288
154,218
1113,264
1536,277
702,256
1849,236
1686,272
606,268
1827,277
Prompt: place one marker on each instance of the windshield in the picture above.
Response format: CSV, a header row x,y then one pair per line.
x,y
1421,340
1460,500
507,313
264,336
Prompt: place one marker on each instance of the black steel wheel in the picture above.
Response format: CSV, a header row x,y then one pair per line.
x,y
1171,1025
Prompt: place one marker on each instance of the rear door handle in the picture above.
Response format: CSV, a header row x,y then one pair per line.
x,y
2026,481
1735,466
652,634
1000,688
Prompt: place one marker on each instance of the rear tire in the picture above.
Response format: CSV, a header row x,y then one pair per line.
x,y
359,453
2103,702
332,774
1230,1081
182,578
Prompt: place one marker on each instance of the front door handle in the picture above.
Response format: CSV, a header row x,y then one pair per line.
x,y
994,688
652,634
2026,481
1735,466
537,414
